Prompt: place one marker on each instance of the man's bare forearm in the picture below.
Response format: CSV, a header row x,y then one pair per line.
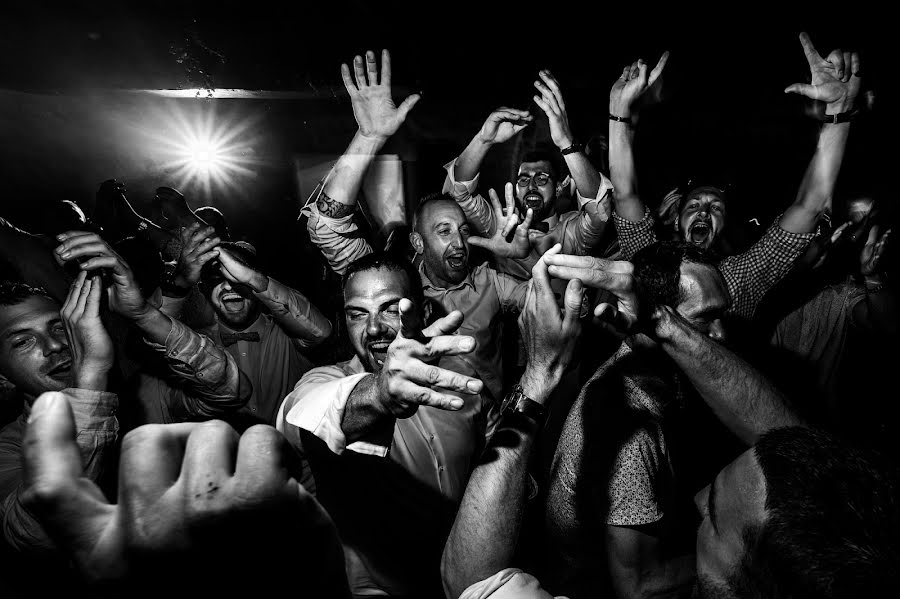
x,y
587,179
817,187
364,415
740,396
469,162
338,197
628,204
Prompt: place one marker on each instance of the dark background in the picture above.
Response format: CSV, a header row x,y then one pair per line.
x,y
70,118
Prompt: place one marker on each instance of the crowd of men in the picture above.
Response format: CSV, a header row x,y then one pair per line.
x,y
673,417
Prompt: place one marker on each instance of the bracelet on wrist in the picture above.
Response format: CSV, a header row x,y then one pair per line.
x,y
621,119
574,147
841,117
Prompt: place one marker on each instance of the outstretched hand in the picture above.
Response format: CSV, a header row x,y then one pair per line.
x,y
507,224
409,379
636,86
872,251
834,80
373,107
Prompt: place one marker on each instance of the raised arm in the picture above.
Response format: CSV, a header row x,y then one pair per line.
x,y
587,179
378,119
210,373
501,126
485,534
297,317
834,80
624,97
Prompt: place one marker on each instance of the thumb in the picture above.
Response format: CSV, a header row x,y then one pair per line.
x,y
642,72
804,89
408,104
410,322
573,301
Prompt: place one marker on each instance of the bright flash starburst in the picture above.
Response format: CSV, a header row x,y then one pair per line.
x,y
203,150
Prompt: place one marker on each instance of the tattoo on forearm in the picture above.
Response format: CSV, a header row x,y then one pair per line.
x,y
332,208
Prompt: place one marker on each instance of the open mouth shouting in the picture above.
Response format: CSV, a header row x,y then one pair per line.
x,y
533,200
700,232
232,302
378,351
456,259
61,370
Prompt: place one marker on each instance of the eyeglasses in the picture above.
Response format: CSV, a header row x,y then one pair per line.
x,y
540,179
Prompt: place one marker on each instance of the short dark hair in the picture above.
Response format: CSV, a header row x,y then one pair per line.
x,y
833,529
657,272
430,198
389,262
13,293
543,154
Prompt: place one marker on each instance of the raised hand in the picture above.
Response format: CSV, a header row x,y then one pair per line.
x,y
198,246
409,380
615,276
551,102
89,343
636,85
834,80
501,244
191,497
872,251
94,253
236,271
549,336
503,124
374,109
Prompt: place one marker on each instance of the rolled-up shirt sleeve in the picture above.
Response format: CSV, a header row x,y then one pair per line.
x,y
477,210
295,314
317,405
339,239
216,385
634,237
96,429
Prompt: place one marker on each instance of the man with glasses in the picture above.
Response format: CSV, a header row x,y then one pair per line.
x,y
539,182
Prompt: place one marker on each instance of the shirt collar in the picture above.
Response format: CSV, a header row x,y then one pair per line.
x,y
426,282
552,220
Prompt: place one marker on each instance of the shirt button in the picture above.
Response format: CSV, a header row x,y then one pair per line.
x,y
243,353
441,468
252,409
432,437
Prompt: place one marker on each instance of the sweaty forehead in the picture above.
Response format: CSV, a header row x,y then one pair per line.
x,y
375,287
31,313
540,166
702,288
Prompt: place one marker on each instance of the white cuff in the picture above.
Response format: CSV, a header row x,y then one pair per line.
x,y
459,187
321,410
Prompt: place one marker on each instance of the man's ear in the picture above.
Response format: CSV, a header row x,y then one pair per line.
x,y
416,241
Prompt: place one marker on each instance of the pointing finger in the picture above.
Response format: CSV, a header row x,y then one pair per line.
x,y
812,57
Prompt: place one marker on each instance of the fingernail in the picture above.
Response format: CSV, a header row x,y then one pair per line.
x,y
456,404
42,404
64,255
61,236
474,386
468,344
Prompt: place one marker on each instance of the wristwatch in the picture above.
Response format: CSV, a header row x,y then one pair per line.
x,y
516,402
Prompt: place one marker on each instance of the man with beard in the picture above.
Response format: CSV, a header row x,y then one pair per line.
x,y
702,213
263,324
400,425
440,230
539,183
798,514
